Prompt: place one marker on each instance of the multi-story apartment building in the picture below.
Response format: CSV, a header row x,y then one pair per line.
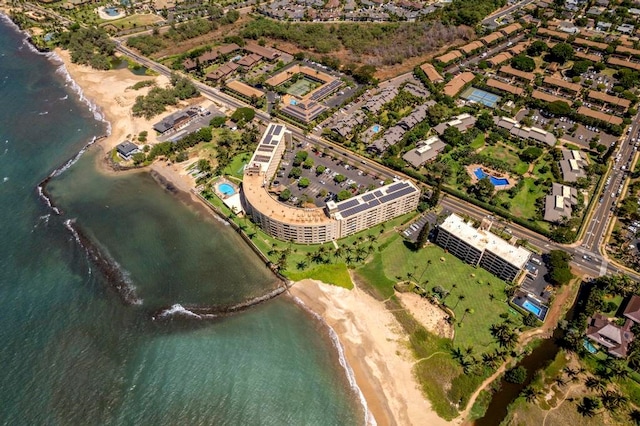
x,y
319,224
479,247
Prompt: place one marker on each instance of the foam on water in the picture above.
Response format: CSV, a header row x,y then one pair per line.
x,y
117,276
368,417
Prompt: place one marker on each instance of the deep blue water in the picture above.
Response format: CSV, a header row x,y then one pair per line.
x,y
72,351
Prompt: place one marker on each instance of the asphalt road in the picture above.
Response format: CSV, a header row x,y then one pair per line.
x,y
490,21
590,246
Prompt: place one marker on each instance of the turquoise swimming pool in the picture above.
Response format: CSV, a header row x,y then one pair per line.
x,y
480,174
532,308
111,11
376,128
226,189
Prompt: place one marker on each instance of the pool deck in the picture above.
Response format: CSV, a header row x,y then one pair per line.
x,y
471,168
520,298
104,15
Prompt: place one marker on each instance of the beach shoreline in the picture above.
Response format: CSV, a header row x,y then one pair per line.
x,y
375,346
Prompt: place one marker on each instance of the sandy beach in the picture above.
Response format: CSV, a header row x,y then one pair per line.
x,y
376,349
375,346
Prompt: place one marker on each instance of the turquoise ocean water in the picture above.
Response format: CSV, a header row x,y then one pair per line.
x,y
73,352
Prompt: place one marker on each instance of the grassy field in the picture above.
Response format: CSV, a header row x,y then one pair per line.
x,y
461,280
134,21
507,154
236,166
478,142
335,274
524,202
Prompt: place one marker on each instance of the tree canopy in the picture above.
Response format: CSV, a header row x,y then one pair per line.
x,y
523,63
561,52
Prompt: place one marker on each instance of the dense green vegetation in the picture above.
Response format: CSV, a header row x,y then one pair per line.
x,y
150,44
158,98
469,12
386,43
88,46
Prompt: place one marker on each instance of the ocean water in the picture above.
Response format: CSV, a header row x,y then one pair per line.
x,y
74,350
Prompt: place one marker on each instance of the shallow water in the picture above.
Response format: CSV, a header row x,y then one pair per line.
x,y
72,352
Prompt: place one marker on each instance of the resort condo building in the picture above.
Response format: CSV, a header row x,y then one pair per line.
x,y
320,224
479,247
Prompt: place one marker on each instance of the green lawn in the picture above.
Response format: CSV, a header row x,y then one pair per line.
x,y
478,142
524,203
335,274
236,166
507,154
460,279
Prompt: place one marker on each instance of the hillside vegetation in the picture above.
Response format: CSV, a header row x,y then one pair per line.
x,y
382,44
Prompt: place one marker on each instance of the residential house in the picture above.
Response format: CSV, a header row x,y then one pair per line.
x,y
425,151
458,82
126,150
558,205
462,122
616,339
572,165
528,133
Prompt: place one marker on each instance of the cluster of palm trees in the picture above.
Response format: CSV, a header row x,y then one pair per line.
x,y
356,252
472,364
604,396
504,334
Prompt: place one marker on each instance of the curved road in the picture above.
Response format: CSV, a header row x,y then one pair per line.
x,y
595,266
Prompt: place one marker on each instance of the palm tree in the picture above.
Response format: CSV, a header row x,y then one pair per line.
x,y
595,384
301,264
589,406
530,393
457,354
613,400
634,415
560,381
461,297
492,297
466,311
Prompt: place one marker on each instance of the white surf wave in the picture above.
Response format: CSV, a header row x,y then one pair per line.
x,y
368,417
178,310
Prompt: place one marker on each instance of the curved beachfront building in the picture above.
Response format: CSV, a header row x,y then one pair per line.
x,y
315,225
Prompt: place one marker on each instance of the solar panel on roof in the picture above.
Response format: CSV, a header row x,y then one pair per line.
x,y
354,210
378,194
278,129
347,204
396,186
368,197
373,203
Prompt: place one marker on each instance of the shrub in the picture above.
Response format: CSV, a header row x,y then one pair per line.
x,y
516,375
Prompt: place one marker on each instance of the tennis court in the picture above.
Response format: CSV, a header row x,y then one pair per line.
x,y
480,96
302,87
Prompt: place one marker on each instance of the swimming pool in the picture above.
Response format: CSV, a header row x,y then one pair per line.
x,y
532,308
111,11
293,102
480,174
375,128
589,346
226,189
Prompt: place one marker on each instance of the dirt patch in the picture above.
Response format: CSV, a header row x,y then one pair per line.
x,y
431,317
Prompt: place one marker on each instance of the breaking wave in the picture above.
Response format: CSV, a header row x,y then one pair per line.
x,y
368,417
115,274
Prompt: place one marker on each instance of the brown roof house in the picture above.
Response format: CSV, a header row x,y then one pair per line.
x,y
559,204
632,311
458,82
614,338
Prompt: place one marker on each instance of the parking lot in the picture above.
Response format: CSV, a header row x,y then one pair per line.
x,y
322,186
581,136
534,282
202,119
